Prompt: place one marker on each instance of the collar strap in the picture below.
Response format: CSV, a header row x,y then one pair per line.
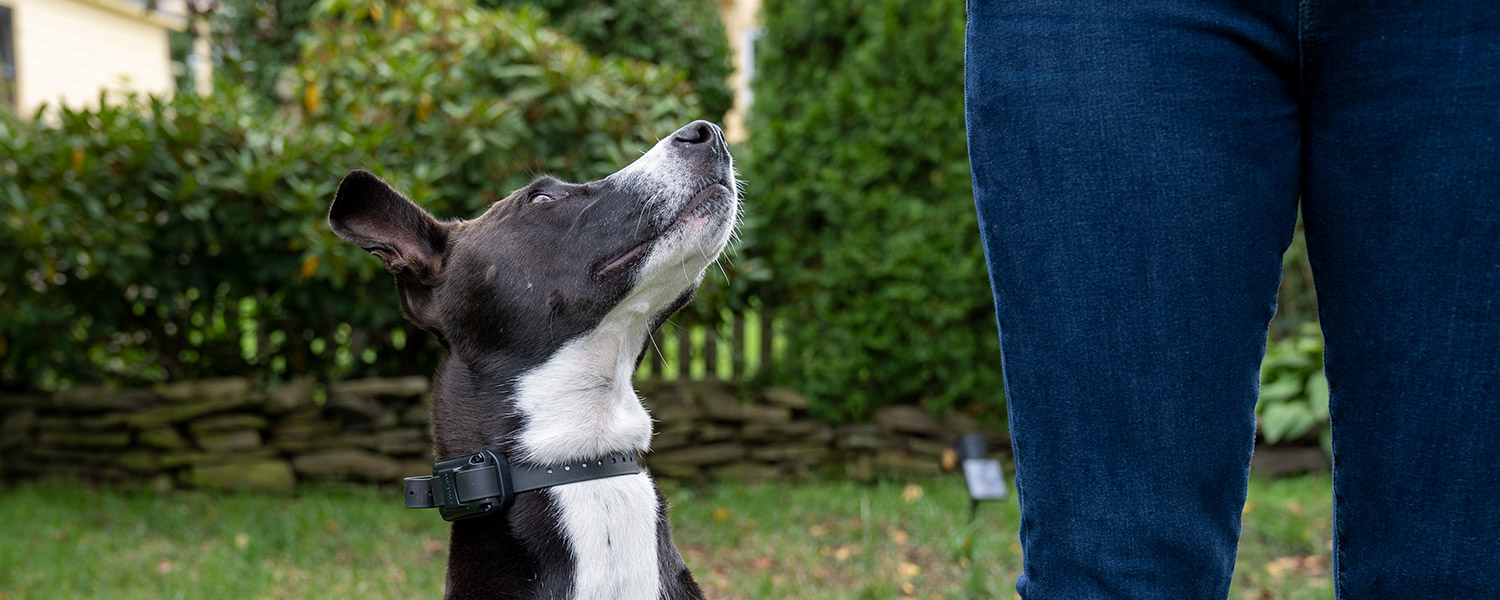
x,y
485,483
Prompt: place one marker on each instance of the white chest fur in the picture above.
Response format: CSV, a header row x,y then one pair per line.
x,y
611,524
581,403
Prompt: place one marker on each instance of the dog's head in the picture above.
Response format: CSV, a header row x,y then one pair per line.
x,y
550,261
546,300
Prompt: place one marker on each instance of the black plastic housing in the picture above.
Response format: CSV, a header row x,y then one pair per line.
x,y
467,490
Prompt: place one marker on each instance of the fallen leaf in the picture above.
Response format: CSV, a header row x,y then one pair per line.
x,y
241,540
163,566
721,514
1315,564
911,493
909,570
1279,568
899,536
841,554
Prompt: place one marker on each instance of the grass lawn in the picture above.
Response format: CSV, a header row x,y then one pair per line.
x,y
811,539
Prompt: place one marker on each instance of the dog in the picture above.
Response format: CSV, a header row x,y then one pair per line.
x,y
545,303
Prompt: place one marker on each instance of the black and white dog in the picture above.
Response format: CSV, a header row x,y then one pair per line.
x,y
545,303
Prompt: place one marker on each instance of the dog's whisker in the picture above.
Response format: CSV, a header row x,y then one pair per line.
x,y
642,214
652,338
580,215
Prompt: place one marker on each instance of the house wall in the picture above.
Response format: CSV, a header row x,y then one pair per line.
x,y
68,50
741,23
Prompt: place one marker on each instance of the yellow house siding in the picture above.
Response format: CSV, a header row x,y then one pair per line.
x,y
741,19
68,50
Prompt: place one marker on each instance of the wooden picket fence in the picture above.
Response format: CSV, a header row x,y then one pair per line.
x,y
735,347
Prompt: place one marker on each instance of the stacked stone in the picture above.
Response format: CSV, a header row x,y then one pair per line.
x,y
705,429
220,433
224,434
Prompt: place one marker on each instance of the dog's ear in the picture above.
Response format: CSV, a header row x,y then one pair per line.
x,y
369,213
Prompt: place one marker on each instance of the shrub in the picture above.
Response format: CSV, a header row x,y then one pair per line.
x,y
860,202
1293,400
258,39
186,238
681,33
255,40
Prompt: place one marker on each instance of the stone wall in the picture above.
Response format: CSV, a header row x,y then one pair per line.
x,y
223,433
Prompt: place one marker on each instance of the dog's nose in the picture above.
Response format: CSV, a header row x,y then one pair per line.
x,y
698,132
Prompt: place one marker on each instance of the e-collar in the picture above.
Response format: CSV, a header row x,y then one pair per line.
x,y
485,483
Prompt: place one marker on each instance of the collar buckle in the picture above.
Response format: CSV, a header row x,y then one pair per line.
x,y
464,486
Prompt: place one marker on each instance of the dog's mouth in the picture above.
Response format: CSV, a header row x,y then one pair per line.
x,y
696,212
626,258
699,199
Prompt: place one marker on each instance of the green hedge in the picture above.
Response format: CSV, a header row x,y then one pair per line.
x,y
186,238
860,203
257,40
680,33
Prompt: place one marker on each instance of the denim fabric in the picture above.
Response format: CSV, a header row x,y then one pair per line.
x,y
1137,171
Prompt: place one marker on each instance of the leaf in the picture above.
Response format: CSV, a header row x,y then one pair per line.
x,y
1285,422
312,97
1317,395
1283,388
309,266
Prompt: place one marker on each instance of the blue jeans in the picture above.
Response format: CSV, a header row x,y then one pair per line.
x,y
1137,171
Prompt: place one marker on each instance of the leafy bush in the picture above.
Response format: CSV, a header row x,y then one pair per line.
x,y
472,103
680,33
186,238
257,39
1293,389
860,202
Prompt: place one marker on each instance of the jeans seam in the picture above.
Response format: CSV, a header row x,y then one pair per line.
x,y
1306,26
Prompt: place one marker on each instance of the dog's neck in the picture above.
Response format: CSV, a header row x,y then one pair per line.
x,y
581,402
578,403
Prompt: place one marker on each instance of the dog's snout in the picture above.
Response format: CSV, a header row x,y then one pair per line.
x,y
697,133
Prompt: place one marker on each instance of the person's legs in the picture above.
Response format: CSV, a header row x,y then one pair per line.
x,y
1402,205
1136,170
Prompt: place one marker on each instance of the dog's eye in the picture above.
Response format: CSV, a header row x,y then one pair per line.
x,y
540,197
